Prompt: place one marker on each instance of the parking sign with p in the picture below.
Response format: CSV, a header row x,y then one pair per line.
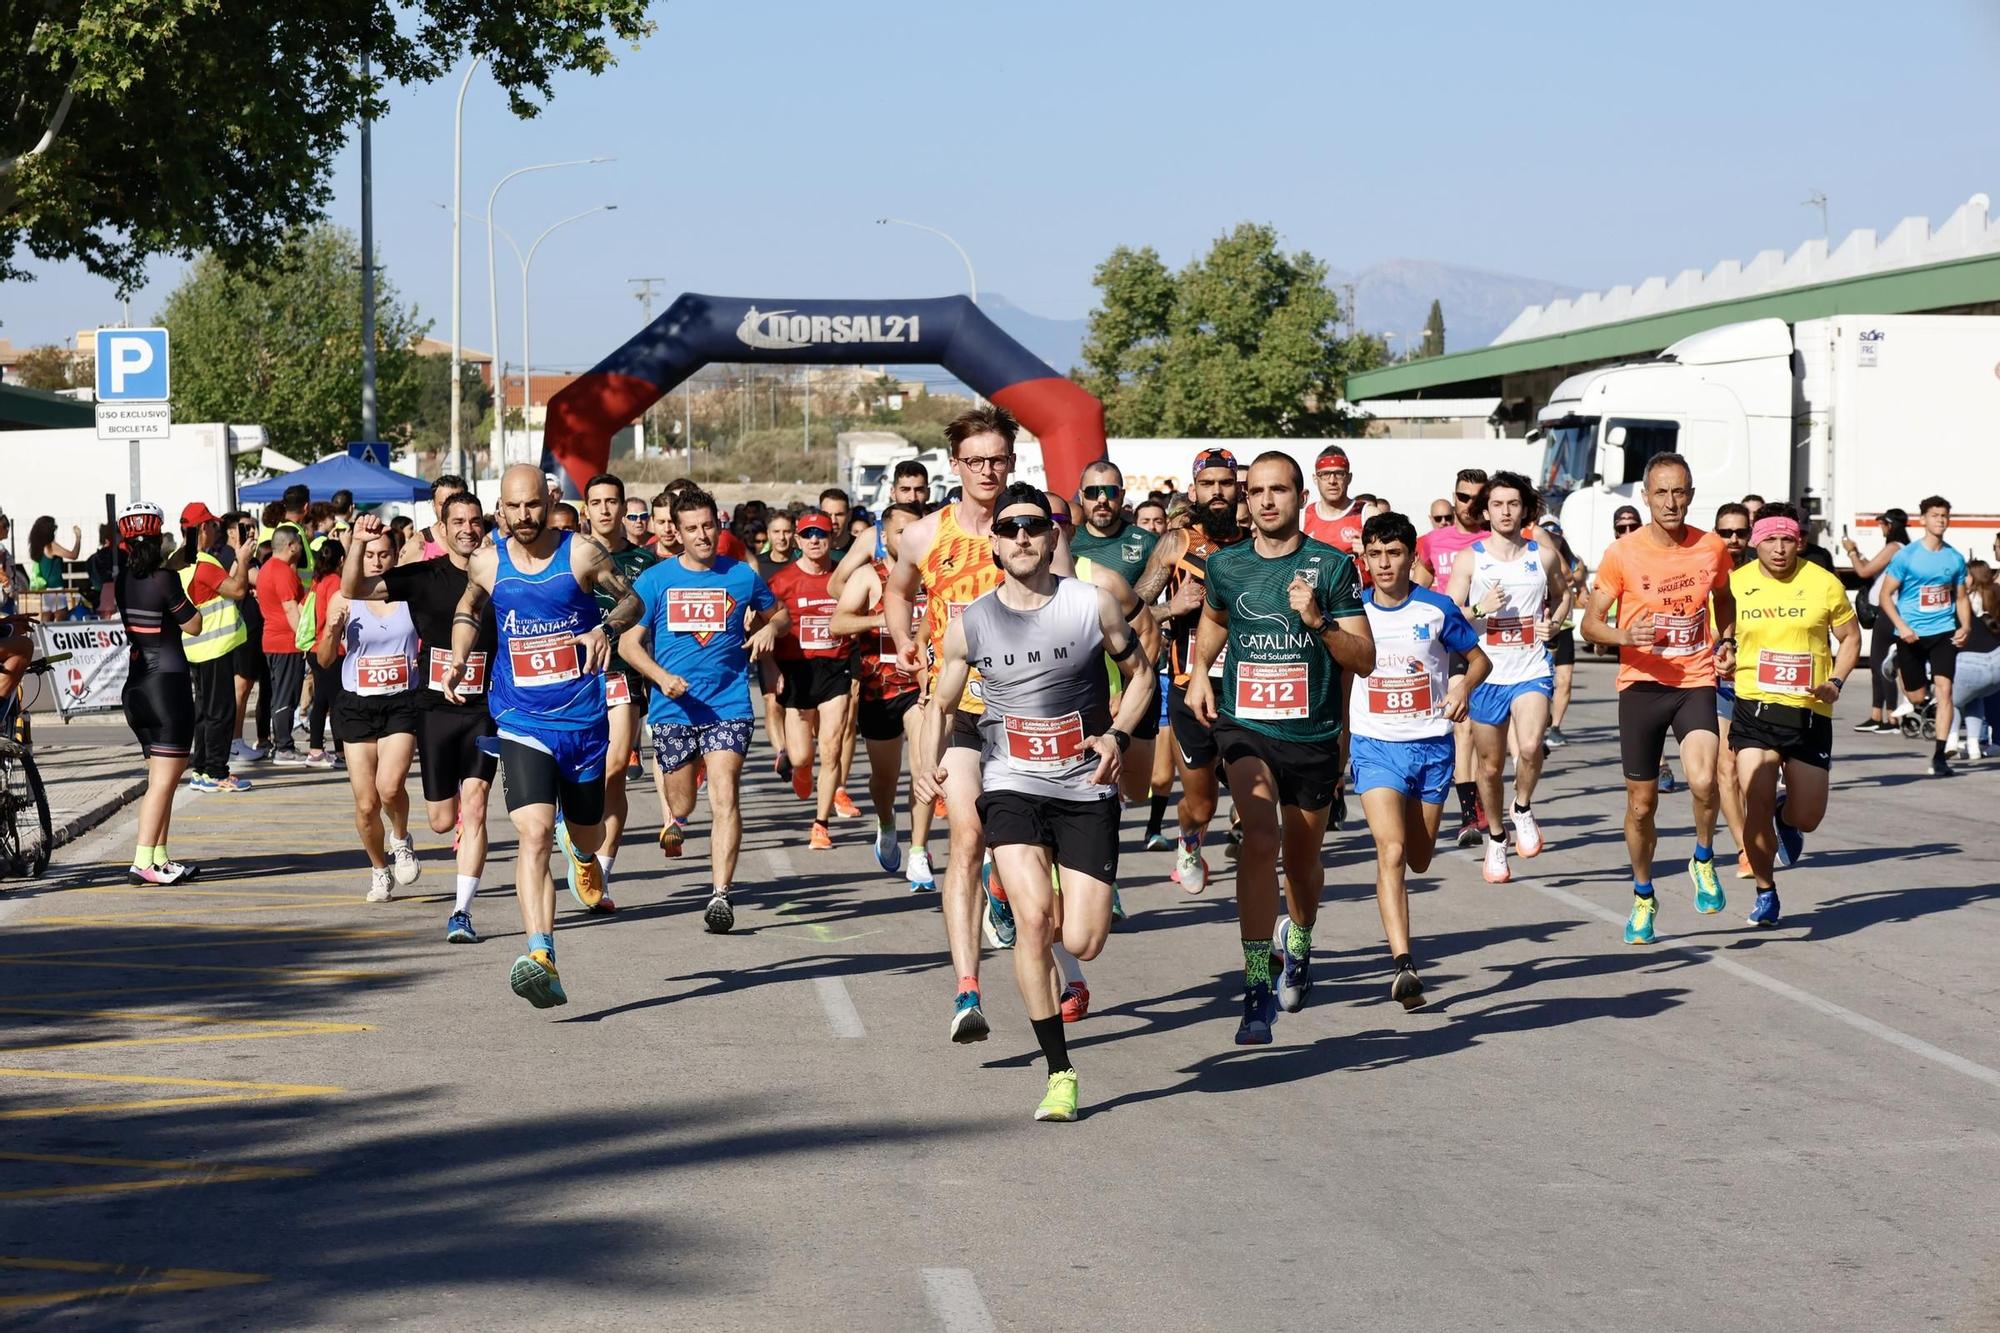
x,y
132,366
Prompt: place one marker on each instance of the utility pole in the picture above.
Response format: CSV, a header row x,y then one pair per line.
x,y
368,429
650,420
1817,199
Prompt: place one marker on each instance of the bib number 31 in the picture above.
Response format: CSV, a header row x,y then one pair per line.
x,y
1044,744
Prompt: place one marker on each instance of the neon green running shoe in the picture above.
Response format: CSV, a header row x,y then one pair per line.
x,y
534,979
1639,927
1708,897
1060,1103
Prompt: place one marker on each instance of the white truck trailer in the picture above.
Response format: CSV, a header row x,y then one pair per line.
x,y
1845,416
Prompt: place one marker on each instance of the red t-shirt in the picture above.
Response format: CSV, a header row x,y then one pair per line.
x,y
208,576
1342,533
811,606
323,592
729,544
278,583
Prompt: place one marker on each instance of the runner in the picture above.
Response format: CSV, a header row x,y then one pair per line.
x,y
1663,579
1179,568
159,696
1923,595
888,712
947,561
1562,644
1437,551
375,715
1732,525
1402,714
1106,537
1786,686
432,542
703,618
1049,755
547,697
813,665
624,687
457,771
1287,608
1519,591
1332,518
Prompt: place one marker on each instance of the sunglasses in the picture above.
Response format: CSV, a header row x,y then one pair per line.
x,y
1624,527
1732,532
635,518
1029,525
1465,499
1103,492
811,534
1440,518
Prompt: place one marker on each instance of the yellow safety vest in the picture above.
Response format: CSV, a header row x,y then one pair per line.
x,y
222,627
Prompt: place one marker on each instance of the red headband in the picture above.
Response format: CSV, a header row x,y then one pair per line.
x,y
1777,526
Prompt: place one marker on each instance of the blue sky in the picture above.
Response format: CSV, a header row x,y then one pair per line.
x,y
756,142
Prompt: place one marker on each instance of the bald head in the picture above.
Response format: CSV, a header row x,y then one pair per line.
x,y
524,502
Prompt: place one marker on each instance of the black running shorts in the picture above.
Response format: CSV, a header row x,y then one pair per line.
x,y
964,731
1788,732
364,719
1562,647
882,719
1935,652
1647,712
159,706
812,681
534,777
1191,734
448,749
1306,776
1081,835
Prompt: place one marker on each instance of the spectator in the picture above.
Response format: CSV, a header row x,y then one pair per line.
x,y
46,556
216,592
327,561
248,660
342,505
1976,686
10,586
279,594
1753,502
1151,515
1895,528
103,567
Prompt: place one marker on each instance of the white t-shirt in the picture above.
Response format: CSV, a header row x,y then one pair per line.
x,y
1403,698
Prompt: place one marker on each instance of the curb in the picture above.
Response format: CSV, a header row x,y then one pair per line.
x,y
74,826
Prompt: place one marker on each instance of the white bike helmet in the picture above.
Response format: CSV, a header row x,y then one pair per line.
x,y
141,518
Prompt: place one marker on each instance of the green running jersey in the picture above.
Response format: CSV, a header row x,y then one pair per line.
x,y
1278,678
1127,553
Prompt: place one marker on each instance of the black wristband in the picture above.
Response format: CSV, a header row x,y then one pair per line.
x,y
1123,738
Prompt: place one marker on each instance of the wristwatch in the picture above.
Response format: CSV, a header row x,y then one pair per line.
x,y
1124,739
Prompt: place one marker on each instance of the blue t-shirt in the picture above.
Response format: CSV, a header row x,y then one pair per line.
x,y
1403,698
694,621
1928,599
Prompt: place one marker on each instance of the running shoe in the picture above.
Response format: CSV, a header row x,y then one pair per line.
x,y
1296,982
1059,1105
1766,911
1117,905
1494,868
1190,871
403,860
1667,783
1232,846
996,923
232,784
586,876
888,851
782,766
844,806
1743,870
459,929
821,840
1937,768
719,916
288,758
1473,831
1075,1002
1868,724
1258,1011
201,782
319,759
671,839
921,879
1708,895
1554,739
632,770
242,753
802,783
1791,841
1159,842
1639,926
170,873
379,882
1527,833
535,980
1407,989
968,1021
937,808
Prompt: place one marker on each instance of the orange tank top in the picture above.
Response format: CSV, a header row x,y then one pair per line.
x,y
957,569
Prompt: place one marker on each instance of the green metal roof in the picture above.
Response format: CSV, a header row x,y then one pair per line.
x,y
1957,282
32,409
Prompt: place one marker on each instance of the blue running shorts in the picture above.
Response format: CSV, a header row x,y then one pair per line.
x,y
1493,705
1419,768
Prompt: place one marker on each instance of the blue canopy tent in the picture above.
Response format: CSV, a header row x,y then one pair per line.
x,y
371,485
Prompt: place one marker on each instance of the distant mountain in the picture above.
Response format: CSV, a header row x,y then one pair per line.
x,y
1057,341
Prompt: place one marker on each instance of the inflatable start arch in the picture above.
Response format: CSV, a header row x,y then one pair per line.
x,y
950,332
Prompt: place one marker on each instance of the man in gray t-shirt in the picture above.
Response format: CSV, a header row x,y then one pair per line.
x,y
1050,755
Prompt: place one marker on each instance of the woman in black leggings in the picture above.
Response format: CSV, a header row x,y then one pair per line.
x,y
1883,695
159,690
325,680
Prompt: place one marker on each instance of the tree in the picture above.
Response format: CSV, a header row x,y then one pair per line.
x,y
51,368
280,346
430,425
1433,343
1238,344
130,128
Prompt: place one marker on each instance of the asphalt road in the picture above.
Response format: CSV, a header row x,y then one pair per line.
x,y
260,1101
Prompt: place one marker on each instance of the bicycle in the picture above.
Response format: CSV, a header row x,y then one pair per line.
x,y
27,835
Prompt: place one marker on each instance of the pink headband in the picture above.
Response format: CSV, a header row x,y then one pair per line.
x,y
1777,526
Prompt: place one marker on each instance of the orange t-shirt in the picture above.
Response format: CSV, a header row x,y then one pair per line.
x,y
1674,583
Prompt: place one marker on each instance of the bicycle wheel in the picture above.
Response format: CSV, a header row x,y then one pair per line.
x,y
27,835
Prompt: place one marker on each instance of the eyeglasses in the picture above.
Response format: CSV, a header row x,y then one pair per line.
x,y
1440,518
1103,492
990,463
1624,527
1333,472
813,534
1465,499
1025,525
1726,533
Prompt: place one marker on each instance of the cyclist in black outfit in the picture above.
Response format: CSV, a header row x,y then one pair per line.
x,y
159,690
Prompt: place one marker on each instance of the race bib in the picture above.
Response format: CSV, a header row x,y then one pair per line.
x,y
1271,691
475,672
1509,631
617,689
382,675
1934,597
697,610
1400,696
546,659
1784,673
1680,636
1044,744
1221,659
815,632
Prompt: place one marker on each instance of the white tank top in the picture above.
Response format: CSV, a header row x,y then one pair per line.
x,y
1509,634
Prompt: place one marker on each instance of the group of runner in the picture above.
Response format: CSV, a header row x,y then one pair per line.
x,y
1013,668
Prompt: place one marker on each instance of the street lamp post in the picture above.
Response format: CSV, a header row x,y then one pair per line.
x,y
971,278
457,261
527,361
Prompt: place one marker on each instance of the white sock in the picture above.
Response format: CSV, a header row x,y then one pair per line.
x,y
604,864
1071,969
468,886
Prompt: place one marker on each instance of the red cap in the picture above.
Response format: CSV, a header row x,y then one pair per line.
x,y
196,514
1333,453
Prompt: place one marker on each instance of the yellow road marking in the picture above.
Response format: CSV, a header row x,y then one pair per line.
x,y
150,1016
139,1281
168,1174
236,1091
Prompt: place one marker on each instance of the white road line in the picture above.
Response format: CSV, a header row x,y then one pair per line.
x,y
1859,1022
841,1015
954,1297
